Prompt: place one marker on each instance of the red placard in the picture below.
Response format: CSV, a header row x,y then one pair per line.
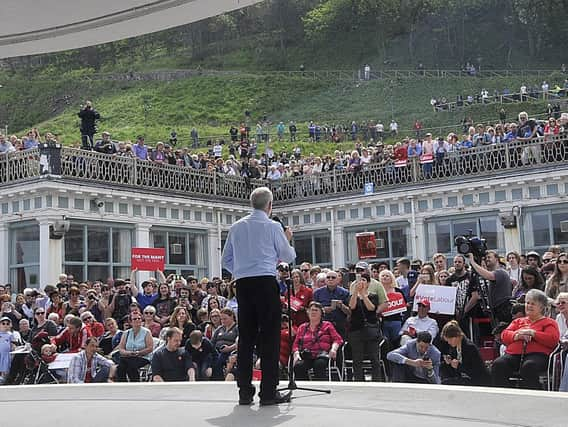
x,y
397,304
148,259
366,245
296,303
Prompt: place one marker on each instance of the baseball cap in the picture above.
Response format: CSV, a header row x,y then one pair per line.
x,y
424,302
534,254
362,265
5,318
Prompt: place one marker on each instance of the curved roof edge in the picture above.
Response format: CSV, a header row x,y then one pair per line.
x,y
148,18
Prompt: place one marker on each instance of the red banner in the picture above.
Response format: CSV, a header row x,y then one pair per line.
x,y
366,245
148,259
397,304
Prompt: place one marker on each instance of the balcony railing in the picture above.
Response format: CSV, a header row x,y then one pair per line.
x,y
106,170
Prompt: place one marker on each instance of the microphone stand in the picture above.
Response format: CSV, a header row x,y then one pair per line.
x,y
291,382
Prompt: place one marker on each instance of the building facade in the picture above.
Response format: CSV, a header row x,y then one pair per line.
x,y
114,204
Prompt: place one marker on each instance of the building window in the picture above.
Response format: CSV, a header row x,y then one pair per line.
x,y
186,251
393,242
542,228
552,189
24,256
437,203
442,233
314,248
500,196
96,252
394,210
483,198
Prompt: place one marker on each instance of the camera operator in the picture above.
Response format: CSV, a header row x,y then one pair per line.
x,y
495,286
88,116
105,145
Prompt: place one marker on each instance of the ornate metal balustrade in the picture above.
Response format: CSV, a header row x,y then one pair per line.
x,y
480,162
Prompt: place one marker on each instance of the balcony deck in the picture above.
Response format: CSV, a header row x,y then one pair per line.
x,y
475,164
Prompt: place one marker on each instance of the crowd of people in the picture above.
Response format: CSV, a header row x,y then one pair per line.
x,y
242,157
178,328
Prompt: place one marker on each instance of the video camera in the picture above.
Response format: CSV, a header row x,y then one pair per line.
x,y
471,244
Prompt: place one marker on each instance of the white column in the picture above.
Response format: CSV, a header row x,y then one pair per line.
x,y
5,257
142,232
50,254
339,247
419,247
214,252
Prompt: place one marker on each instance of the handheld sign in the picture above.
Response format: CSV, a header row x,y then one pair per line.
x,y
397,304
148,259
442,298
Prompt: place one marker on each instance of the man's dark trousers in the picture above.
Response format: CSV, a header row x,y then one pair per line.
x,y
259,323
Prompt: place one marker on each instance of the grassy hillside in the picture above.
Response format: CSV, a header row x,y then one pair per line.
x,y
212,104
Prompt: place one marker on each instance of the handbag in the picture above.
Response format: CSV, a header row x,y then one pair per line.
x,y
370,331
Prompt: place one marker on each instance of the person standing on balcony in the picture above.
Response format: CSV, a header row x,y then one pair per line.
x,y
140,150
88,116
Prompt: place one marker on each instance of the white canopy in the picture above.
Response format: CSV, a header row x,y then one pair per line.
x,y
30,27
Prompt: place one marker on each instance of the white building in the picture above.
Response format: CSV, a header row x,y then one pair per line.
x,y
114,204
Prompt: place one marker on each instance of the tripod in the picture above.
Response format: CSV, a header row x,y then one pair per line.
x,y
291,382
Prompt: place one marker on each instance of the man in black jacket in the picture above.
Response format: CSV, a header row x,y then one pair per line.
x,y
88,116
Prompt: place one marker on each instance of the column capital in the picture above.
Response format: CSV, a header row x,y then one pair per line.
x,y
142,226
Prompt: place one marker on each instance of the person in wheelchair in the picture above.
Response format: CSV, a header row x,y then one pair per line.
x,y
316,342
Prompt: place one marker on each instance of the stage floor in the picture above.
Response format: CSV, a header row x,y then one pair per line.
x,y
214,404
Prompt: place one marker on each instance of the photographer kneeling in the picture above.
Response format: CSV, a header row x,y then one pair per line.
x,y
316,341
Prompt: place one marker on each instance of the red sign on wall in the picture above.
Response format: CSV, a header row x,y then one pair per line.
x,y
148,259
366,245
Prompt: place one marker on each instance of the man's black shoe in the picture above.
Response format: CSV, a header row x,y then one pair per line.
x,y
277,399
246,396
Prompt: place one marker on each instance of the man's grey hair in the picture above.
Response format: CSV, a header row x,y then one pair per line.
x,y
537,296
260,198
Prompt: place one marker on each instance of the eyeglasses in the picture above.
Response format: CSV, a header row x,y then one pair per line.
x,y
546,260
305,271
148,312
332,277
5,323
215,316
562,261
37,313
86,319
136,318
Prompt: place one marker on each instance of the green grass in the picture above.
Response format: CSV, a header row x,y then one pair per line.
x,y
212,104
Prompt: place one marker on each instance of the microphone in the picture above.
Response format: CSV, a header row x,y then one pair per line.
x,y
279,221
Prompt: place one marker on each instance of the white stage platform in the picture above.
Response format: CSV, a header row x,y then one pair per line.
x,y
215,404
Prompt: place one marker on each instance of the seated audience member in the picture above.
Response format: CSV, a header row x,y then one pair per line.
x,y
231,369
224,341
7,344
180,319
135,348
94,328
111,338
335,302
150,323
462,363
420,322
529,341
364,331
285,344
202,355
530,279
88,366
213,292
316,341
74,337
164,304
25,330
42,324
232,302
418,361
171,362
558,281
562,320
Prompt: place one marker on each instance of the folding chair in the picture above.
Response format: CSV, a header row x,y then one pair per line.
x,y
555,368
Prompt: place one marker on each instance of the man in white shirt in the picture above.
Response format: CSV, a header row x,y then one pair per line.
x,y
393,128
420,322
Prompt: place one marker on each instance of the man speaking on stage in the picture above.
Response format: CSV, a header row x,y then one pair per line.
x,y
254,247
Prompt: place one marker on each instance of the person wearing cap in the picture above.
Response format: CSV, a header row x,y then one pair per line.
x,y
105,145
418,361
421,322
7,344
375,287
148,293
